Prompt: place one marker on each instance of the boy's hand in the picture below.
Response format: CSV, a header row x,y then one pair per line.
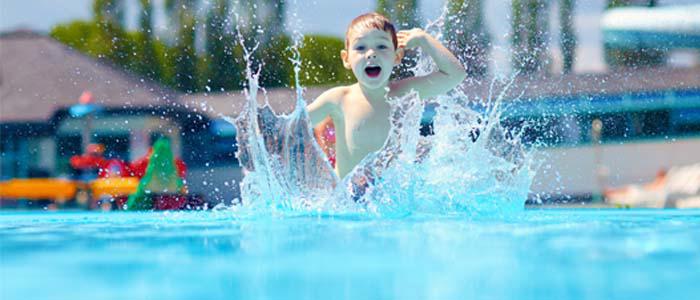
x,y
409,39
448,75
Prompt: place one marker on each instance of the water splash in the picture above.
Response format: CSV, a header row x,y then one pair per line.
x,y
470,166
284,169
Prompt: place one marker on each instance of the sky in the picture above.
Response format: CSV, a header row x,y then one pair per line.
x,y
332,16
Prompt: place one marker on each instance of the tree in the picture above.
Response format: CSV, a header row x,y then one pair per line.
x,y
263,26
466,35
84,36
528,29
109,12
223,68
109,16
103,37
567,37
403,13
220,63
148,57
277,16
277,50
185,57
321,63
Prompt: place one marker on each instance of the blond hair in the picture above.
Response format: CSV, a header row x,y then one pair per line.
x,y
371,21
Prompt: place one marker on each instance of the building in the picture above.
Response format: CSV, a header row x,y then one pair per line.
x,y
597,131
650,119
41,81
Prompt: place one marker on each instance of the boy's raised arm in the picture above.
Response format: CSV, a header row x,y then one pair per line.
x,y
450,71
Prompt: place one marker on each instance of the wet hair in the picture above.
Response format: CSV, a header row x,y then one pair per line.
x,y
371,21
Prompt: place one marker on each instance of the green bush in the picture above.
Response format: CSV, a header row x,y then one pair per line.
x,y
126,49
276,64
321,63
83,36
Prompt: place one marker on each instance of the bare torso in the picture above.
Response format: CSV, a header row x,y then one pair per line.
x,y
360,112
361,128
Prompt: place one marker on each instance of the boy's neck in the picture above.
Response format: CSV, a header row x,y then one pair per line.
x,y
374,94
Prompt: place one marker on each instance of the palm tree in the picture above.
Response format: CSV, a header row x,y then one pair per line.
x,y
466,35
185,58
149,60
223,71
109,16
528,41
567,37
109,12
403,13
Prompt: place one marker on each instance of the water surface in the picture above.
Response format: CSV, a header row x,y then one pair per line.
x,y
536,254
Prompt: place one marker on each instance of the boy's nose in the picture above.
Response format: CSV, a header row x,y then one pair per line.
x,y
371,54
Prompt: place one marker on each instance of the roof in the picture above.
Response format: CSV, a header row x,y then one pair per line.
x,y
282,100
616,82
680,19
39,75
619,82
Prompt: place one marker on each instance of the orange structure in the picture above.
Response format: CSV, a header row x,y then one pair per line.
x,y
59,190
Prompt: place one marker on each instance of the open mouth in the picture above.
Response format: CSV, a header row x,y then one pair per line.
x,y
373,71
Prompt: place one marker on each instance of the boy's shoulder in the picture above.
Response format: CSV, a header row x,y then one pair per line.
x,y
335,94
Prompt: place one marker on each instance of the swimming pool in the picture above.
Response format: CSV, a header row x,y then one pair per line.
x,y
557,254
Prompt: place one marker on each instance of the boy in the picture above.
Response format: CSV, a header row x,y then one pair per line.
x,y
360,112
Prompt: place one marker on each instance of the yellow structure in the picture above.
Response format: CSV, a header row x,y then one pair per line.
x,y
113,187
59,190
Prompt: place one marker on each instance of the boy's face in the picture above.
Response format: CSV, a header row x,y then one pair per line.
x,y
371,56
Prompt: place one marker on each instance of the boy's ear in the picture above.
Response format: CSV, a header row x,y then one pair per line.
x,y
399,56
344,57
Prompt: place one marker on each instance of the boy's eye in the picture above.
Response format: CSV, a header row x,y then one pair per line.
x,y
383,47
360,48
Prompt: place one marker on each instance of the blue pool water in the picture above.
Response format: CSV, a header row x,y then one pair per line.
x,y
537,254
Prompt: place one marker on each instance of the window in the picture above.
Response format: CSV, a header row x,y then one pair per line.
x,y
615,127
8,158
653,123
216,147
116,145
685,121
66,147
545,131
